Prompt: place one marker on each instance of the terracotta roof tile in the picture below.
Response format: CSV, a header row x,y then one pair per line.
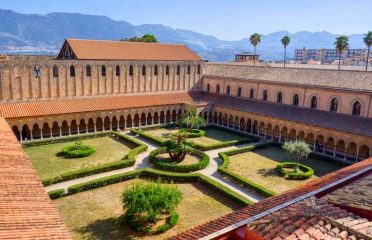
x,y
121,50
26,212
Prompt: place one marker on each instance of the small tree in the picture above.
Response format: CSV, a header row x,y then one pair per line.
x,y
368,42
191,119
285,41
145,203
341,43
149,38
298,150
177,146
255,39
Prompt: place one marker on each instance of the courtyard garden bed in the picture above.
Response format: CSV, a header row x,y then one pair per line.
x,y
256,167
112,151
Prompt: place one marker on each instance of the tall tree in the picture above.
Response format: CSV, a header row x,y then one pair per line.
x,y
341,43
149,38
285,41
368,41
255,40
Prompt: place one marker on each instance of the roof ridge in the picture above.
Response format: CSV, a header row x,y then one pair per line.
x,y
122,41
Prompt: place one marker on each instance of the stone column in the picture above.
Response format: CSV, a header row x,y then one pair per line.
x,y
20,136
41,133
357,156
51,133
78,129
280,136
69,130
334,152
60,131
117,125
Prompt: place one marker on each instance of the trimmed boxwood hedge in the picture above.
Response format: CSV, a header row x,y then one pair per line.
x,y
56,193
305,174
223,169
171,222
127,161
167,166
194,133
164,176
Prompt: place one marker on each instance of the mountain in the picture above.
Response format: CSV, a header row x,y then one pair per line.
x,y
34,33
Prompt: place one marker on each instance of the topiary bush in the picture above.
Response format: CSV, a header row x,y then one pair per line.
x,y
304,171
77,150
194,133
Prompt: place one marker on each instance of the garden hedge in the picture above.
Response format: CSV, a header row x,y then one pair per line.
x,y
165,176
194,133
305,174
223,169
127,161
56,193
171,222
168,166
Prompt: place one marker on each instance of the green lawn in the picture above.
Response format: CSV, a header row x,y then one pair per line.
x,y
48,163
212,135
259,166
96,214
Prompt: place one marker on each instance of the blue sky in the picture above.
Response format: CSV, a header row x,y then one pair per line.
x,y
226,19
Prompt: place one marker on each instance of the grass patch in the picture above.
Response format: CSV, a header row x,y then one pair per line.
x,y
97,214
260,165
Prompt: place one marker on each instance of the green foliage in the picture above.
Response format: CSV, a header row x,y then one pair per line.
x,y
191,119
341,43
298,149
148,38
255,39
56,193
172,221
143,134
145,203
172,167
194,133
304,173
285,41
367,39
78,150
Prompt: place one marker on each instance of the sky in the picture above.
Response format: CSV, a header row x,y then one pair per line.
x,y
225,19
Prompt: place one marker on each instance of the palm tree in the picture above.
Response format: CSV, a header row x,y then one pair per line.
x,y
285,41
192,119
341,43
368,41
255,40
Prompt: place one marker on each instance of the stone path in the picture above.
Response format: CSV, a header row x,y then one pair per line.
x,y
142,161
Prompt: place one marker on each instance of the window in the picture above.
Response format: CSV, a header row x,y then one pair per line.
x,y
228,90
334,105
143,70
178,70
55,71
103,71
264,95
218,90
295,100
88,71
117,71
279,97
199,69
167,70
72,71
251,93
37,71
208,87
188,69
239,92
156,70
130,70
314,102
357,107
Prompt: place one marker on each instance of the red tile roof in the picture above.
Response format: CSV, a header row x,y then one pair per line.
x,y
26,212
231,220
122,50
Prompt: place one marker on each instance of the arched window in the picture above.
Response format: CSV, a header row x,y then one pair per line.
x,y
188,69
228,90
156,70
333,105
295,100
239,92
178,70
167,70
117,71
208,87
88,71
264,95
357,108
130,70
251,93
72,71
37,71
279,97
143,70
313,102
218,90
55,71
103,71
199,69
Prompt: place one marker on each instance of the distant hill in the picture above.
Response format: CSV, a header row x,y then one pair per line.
x,y
34,33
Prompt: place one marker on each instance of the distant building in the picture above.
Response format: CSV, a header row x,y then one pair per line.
x,y
246,57
329,55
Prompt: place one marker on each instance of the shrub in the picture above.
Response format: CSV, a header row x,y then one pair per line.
x,y
298,150
56,193
172,167
194,133
78,150
146,202
304,173
172,221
